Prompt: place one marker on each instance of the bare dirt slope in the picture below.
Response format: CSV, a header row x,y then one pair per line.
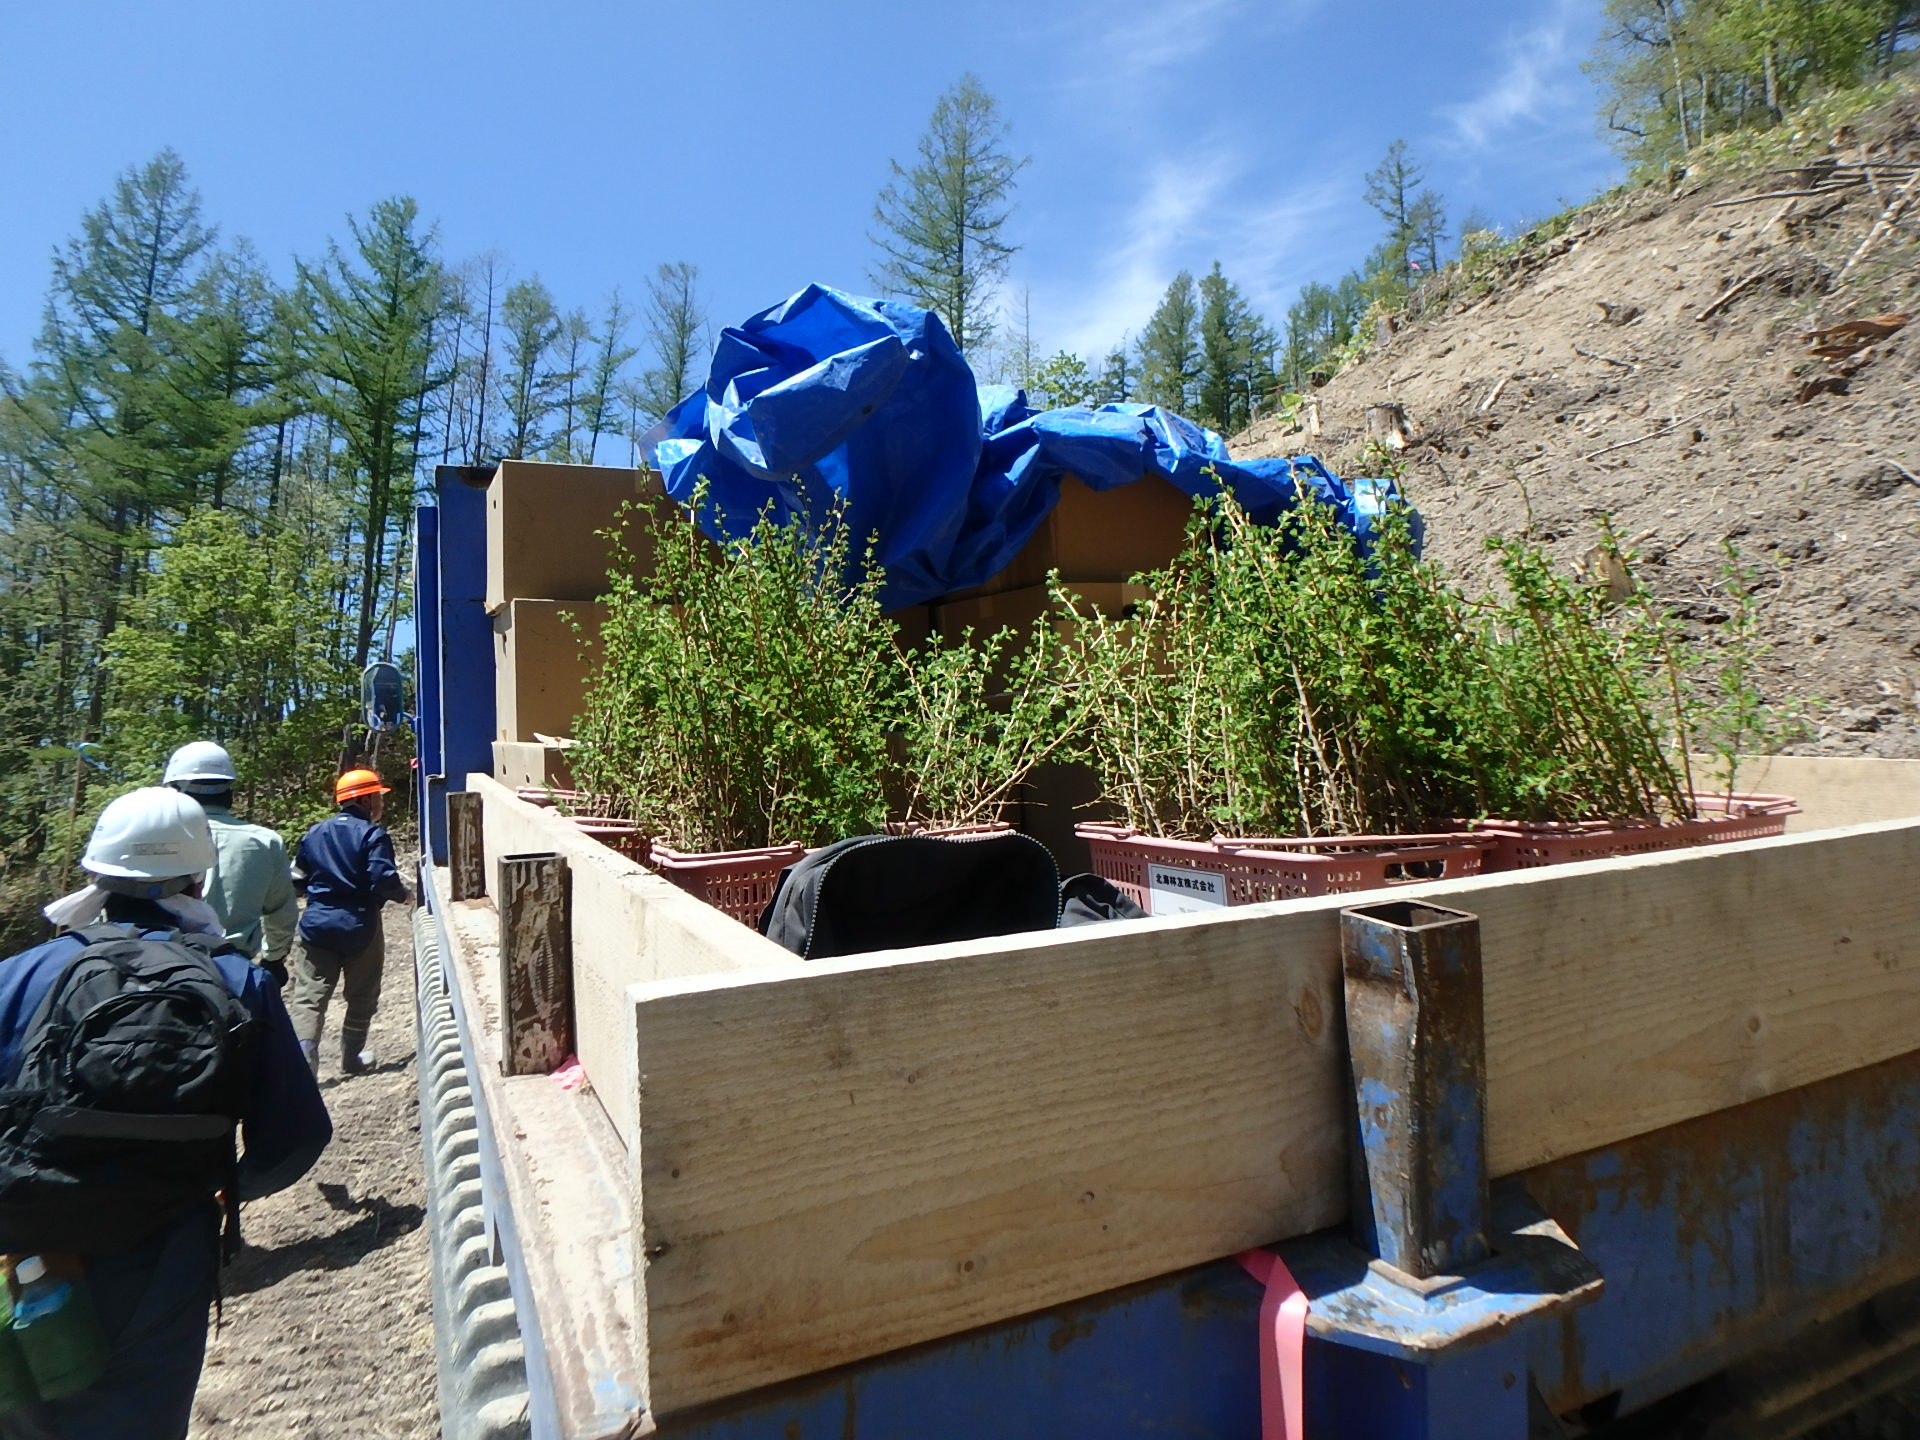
x,y
1650,361
329,1320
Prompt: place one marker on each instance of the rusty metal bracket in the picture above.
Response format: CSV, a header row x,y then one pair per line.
x,y
1420,1313
1417,1044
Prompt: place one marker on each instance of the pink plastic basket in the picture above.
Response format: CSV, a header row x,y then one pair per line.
x,y
616,834
1180,876
1721,820
739,882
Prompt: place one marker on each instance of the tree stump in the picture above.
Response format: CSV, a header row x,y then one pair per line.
x,y
1387,425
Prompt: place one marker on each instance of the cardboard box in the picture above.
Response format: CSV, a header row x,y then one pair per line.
x,y
542,529
984,614
1099,535
517,764
911,626
540,665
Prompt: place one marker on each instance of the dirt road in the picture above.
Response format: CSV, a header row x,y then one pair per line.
x,y
329,1324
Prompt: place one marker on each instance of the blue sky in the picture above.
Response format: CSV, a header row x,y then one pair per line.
x,y
589,140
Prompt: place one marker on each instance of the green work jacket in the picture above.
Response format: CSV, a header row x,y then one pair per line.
x,y
250,887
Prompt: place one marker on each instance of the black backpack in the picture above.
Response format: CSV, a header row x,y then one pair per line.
x,y
133,1074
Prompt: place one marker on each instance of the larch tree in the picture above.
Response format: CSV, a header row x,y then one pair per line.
x,y
941,219
371,319
600,403
676,328
533,374
1115,385
1415,221
99,401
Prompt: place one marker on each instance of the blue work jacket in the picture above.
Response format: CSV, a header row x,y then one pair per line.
x,y
284,1127
345,865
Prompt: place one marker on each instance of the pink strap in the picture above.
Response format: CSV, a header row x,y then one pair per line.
x,y
1283,1336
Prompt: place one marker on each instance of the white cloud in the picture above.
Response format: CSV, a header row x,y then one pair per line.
x,y
1538,76
1190,212
1122,45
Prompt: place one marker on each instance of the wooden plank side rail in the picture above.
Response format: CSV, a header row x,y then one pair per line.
x,y
863,1154
628,927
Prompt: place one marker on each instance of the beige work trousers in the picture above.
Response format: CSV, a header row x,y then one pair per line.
x,y
316,971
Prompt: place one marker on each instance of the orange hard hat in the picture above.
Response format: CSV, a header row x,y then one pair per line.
x,y
357,783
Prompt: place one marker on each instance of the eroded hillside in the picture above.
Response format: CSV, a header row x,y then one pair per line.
x,y
1651,361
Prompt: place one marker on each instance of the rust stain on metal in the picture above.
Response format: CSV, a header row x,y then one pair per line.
x,y
1068,1331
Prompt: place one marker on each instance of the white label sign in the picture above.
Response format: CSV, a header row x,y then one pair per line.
x,y
1176,891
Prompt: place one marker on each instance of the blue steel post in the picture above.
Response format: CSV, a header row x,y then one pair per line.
x,y
426,680
1418,1331
1416,1036
466,634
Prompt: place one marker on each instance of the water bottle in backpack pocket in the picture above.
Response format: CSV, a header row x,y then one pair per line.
x,y
56,1331
16,1381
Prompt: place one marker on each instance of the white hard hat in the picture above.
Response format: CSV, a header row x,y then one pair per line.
x,y
150,834
202,761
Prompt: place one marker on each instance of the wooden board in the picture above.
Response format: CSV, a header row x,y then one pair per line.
x,y
566,1177
875,1152
1832,790
628,926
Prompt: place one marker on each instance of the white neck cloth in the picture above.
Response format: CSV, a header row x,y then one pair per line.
x,y
83,907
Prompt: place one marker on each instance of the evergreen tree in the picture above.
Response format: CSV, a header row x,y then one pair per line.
x,y
99,423
676,333
576,334
1415,222
599,407
1320,324
1170,349
941,219
1236,356
1115,386
370,347
532,385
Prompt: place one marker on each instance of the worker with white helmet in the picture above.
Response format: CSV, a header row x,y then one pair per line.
x,y
249,886
146,1244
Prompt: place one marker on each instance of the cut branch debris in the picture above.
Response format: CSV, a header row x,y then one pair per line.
x,y
1623,364
1730,294
1640,439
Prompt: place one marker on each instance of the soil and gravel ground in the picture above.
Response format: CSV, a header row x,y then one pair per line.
x,y
329,1318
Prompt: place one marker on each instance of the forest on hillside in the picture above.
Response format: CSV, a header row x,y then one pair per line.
x,y
209,472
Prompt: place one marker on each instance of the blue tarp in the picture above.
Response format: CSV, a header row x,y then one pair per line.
x,y
831,397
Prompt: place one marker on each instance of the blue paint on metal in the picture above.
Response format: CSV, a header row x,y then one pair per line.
x,y
426,681
1358,1395
1533,1273
1733,1231
1175,1357
466,634
1417,1047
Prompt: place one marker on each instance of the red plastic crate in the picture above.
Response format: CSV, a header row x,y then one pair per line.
x,y
1722,820
1245,871
616,834
739,882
